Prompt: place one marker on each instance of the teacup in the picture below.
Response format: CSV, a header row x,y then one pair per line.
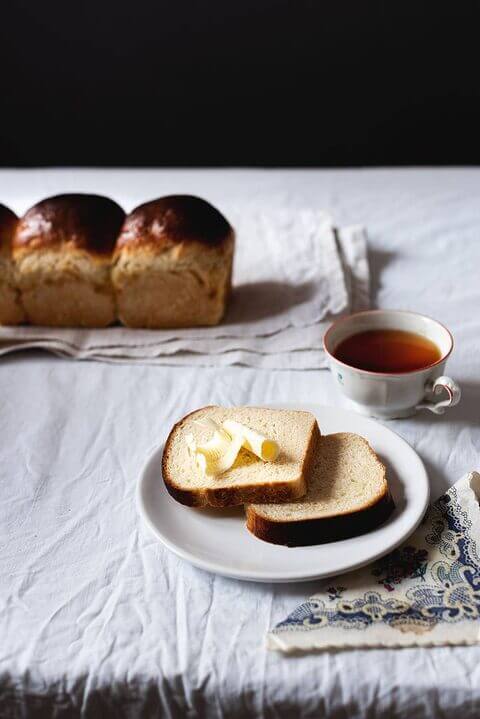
x,y
389,395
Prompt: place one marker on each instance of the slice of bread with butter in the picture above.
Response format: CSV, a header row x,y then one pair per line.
x,y
299,488
223,457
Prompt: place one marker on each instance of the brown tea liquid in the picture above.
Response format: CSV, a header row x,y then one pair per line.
x,y
387,351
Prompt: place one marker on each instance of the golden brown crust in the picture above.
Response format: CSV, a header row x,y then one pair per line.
x,y
172,220
307,532
234,496
8,223
230,496
90,223
11,310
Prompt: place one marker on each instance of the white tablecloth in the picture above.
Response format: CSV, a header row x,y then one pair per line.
x,y
96,618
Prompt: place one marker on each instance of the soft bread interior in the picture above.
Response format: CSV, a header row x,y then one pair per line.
x,y
65,288
11,310
346,476
294,432
178,287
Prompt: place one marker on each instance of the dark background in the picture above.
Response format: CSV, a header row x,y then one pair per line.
x,y
239,82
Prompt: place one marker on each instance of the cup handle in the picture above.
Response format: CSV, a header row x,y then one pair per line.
x,y
441,384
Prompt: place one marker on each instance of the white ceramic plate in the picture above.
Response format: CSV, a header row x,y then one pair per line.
x,y
218,541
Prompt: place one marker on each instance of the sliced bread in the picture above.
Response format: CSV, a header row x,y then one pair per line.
x,y
347,495
249,479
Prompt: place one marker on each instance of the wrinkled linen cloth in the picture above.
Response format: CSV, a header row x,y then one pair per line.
x,y
425,592
97,618
293,272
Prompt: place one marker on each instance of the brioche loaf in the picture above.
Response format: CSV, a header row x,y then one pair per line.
x,y
347,495
249,479
62,250
173,264
11,310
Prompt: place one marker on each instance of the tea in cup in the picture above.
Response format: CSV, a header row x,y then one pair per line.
x,y
390,363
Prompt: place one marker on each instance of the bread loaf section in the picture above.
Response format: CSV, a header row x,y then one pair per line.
x,y
11,309
75,260
63,249
347,496
249,479
173,264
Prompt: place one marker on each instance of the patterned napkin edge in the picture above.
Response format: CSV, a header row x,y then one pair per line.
x,y
304,639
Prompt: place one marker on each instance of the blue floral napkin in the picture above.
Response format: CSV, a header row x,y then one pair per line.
x,y
426,592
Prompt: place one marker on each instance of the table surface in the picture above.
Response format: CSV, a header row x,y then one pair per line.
x,y
94,614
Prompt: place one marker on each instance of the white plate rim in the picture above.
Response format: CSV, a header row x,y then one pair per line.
x,y
286,576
